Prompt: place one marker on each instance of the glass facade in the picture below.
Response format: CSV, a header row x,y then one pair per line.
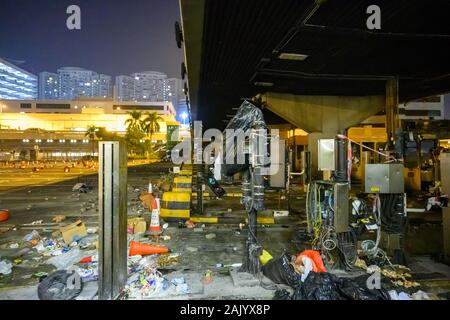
x,y
15,83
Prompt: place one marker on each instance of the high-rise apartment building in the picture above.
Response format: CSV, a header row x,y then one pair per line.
x,y
72,83
16,83
148,86
48,86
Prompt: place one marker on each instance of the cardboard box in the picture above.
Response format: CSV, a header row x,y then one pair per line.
x,y
147,200
73,232
136,225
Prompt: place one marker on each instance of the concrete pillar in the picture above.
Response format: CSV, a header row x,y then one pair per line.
x,y
322,116
112,197
392,119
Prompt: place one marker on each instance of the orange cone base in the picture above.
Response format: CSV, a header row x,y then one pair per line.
x,y
137,248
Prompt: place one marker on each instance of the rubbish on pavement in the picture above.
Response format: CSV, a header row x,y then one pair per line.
x,y
92,230
33,235
308,260
89,274
93,258
165,225
210,236
166,260
73,232
394,295
281,271
207,277
280,213
420,295
265,257
5,267
190,224
137,248
59,218
59,286
14,246
147,200
136,225
79,187
327,286
192,249
165,238
69,258
4,215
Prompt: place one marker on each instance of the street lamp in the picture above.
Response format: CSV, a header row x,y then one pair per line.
x,y
184,116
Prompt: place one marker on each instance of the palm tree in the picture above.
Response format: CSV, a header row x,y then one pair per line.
x,y
134,121
91,133
150,124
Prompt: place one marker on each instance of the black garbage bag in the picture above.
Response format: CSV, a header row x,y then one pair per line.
x,y
326,286
282,294
55,286
281,271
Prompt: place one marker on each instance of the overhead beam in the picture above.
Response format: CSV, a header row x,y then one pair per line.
x,y
323,114
192,16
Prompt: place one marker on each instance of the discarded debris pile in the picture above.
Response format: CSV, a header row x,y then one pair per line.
x,y
310,280
145,281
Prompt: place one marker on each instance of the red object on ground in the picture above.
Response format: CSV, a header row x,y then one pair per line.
x,y
89,259
4,215
315,257
137,248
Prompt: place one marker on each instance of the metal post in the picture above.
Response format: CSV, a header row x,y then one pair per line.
x,y
444,159
112,195
392,121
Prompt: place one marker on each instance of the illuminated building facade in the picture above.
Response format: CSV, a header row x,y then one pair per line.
x,y
16,83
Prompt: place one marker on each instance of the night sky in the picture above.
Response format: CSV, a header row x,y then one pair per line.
x,y
116,36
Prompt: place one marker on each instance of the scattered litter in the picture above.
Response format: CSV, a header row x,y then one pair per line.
x,y
5,267
59,218
192,249
207,277
71,257
73,232
80,187
399,296
189,224
165,225
4,215
92,230
165,238
35,222
33,235
420,295
198,229
210,236
280,213
14,246
166,260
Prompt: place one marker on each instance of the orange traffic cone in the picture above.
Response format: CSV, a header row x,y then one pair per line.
x,y
155,227
137,248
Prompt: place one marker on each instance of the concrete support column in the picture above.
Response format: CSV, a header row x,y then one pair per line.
x,y
392,119
112,197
